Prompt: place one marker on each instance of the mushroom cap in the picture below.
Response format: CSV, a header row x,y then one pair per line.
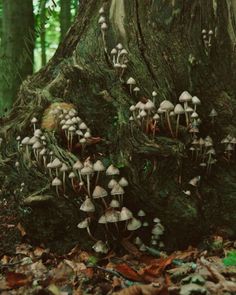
x,y
143,114
194,115
102,220
87,206
154,93
83,126
113,51
69,122
179,110
213,113
112,183
72,128
112,216
99,192
185,97
204,31
119,46
38,132
125,214
138,241
104,26
136,89
131,81
160,111
100,247
84,223
87,170
43,152
18,138
229,147
123,182
149,105
196,100
123,51
37,145
156,220
72,175
98,166
158,230
141,213
82,140
101,10
134,224
166,105
189,110
194,181
64,167
112,170
114,204
117,190
156,117
101,20
132,108
78,165
32,140
34,120
145,224
56,182
56,163
25,141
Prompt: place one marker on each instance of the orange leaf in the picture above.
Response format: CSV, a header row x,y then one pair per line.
x,y
152,289
128,272
21,230
15,280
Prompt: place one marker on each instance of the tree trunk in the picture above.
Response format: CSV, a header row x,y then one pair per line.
x,y
17,49
166,53
65,17
43,32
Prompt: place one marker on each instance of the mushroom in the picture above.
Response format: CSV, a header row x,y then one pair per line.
x,y
101,10
167,106
85,224
131,82
56,182
64,168
179,110
195,101
118,191
136,90
125,214
56,164
123,182
72,177
112,183
154,95
87,171
113,54
134,224
156,118
100,247
185,97
18,139
34,121
77,167
25,142
99,193
114,204
112,171
36,148
87,206
104,27
98,167
213,114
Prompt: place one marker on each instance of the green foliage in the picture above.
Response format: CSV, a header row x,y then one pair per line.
x,y
230,259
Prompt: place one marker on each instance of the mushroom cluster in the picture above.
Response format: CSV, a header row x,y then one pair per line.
x,y
103,25
229,143
207,38
104,205
202,150
73,127
156,233
167,115
119,59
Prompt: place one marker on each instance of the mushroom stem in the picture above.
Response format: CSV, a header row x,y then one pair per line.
x,y
177,126
96,182
186,114
169,124
89,233
64,180
73,185
104,202
154,130
104,41
57,191
88,185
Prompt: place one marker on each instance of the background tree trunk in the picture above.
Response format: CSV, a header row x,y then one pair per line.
x,y
166,54
17,49
43,32
65,16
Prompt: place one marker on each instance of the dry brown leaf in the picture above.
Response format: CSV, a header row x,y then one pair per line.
x,y
39,251
21,230
77,267
128,272
15,280
5,260
152,289
131,248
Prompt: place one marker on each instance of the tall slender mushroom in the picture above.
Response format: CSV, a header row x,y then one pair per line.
x,y
179,110
87,171
185,97
168,106
56,182
98,167
131,82
99,193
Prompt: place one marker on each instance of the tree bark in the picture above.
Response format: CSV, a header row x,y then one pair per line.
x,y
17,49
65,17
166,54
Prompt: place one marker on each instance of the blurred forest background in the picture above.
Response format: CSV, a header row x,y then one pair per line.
x,y
30,31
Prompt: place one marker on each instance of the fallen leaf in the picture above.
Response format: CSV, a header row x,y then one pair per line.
x,y
15,280
21,230
128,272
152,289
132,249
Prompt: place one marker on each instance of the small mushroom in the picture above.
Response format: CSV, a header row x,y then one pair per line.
x,y
185,97
34,121
99,193
100,247
56,182
87,171
64,168
179,110
87,206
98,167
131,82
213,114
167,106
134,224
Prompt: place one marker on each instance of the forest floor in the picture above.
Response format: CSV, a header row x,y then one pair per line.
x,y
27,269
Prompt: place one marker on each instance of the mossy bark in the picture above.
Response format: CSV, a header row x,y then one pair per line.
x,y
166,54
